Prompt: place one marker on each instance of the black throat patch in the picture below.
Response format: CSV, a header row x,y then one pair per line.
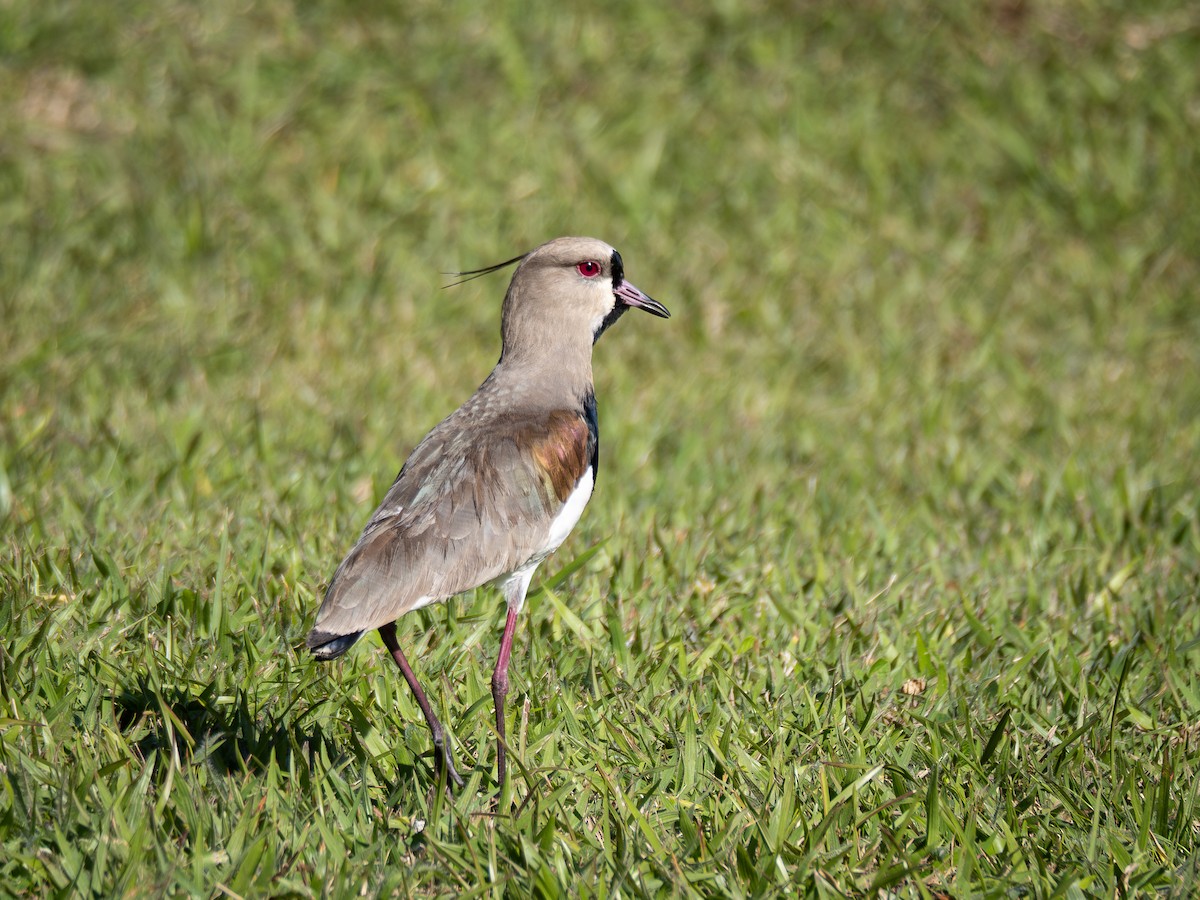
x,y
618,310
615,313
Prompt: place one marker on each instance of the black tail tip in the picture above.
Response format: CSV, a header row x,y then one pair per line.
x,y
330,646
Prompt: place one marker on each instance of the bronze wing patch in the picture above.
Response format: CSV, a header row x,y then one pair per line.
x,y
562,453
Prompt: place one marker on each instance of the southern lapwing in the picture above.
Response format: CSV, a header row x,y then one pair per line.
x,y
497,486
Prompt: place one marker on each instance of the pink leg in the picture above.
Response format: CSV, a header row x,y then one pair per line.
x,y
500,689
441,744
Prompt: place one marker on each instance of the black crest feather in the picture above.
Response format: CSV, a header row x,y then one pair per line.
x,y
472,274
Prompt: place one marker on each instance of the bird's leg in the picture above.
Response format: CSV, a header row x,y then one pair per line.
x,y
441,743
514,594
500,688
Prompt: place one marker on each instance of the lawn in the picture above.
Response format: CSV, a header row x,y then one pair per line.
x,y
889,584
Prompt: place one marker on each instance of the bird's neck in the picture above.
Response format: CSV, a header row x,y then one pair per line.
x,y
553,380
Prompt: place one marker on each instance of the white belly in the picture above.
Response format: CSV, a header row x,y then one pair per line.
x,y
571,511
515,583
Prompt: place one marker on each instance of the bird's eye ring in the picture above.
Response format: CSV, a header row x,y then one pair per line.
x,y
589,268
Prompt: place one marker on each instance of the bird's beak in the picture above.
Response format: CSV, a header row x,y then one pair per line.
x,y
631,296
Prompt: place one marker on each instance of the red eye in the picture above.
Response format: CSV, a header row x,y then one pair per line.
x,y
589,268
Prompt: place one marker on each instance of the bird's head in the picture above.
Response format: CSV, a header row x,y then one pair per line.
x,y
565,294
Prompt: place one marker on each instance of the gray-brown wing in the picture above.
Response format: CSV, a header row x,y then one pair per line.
x,y
465,509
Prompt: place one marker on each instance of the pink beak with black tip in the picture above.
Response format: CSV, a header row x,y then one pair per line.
x,y
628,294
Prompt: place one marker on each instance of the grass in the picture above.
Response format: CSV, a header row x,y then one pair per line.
x,y
889,584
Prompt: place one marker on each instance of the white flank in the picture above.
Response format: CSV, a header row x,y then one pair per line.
x,y
570,513
515,583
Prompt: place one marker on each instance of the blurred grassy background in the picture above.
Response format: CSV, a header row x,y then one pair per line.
x,y
927,417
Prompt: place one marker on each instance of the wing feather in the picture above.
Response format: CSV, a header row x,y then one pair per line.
x,y
469,506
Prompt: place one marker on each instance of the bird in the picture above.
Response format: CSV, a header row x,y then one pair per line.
x,y
497,486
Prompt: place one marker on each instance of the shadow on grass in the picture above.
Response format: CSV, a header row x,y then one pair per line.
x,y
233,734
229,733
